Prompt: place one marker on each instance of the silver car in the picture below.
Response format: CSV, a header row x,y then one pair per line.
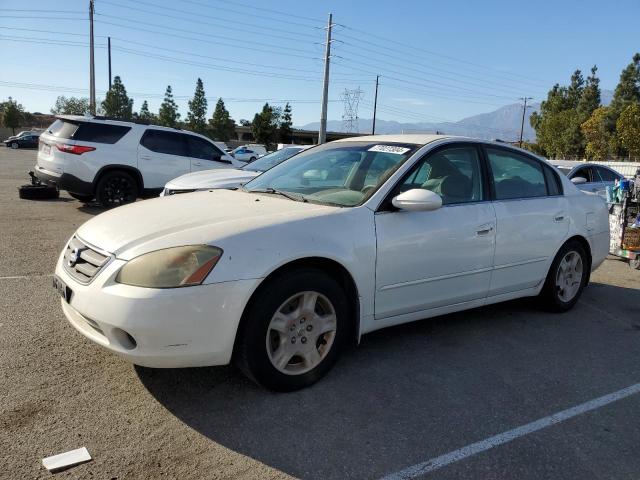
x,y
589,177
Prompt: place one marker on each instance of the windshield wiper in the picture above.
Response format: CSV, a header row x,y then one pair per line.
x,y
271,190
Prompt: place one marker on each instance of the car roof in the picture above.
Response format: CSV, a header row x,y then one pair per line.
x,y
415,138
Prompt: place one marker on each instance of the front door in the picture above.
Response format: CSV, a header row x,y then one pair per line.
x,y
162,156
205,155
436,258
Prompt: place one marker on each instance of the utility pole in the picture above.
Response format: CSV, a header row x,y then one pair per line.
x,y
322,134
375,106
109,49
92,70
524,109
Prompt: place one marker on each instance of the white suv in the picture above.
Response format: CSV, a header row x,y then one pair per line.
x,y
116,161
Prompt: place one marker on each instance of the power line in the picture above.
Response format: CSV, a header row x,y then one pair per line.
x,y
279,12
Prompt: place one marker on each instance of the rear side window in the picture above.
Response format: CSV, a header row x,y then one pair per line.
x,y
553,181
606,175
62,129
200,148
170,143
100,132
515,175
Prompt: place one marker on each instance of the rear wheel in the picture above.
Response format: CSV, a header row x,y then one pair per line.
x,y
567,277
116,188
82,198
293,330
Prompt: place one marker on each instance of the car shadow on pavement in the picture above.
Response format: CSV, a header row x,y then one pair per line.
x,y
405,394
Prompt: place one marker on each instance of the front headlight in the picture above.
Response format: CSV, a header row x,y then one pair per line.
x,y
171,267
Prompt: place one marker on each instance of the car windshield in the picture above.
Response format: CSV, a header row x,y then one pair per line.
x,y
272,159
339,173
565,170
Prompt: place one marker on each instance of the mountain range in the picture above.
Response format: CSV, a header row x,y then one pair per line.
x,y
503,124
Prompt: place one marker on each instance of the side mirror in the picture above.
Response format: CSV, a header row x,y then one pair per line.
x,y
417,200
578,180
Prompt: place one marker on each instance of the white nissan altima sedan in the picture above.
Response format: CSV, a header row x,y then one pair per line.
x,y
343,239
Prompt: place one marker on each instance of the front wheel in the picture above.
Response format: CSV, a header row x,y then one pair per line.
x,y
14,145
293,331
567,277
116,188
635,263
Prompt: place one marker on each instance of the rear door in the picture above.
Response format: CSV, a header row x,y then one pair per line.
x,y
204,155
162,156
532,219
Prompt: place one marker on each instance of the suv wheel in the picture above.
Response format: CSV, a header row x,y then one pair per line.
x,y
116,188
293,330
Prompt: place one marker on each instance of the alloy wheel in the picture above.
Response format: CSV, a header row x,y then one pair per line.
x,y
301,333
569,276
118,190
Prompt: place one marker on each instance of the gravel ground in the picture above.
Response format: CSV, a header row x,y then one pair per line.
x,y
406,395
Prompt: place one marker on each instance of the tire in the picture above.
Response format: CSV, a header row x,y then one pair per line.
x,y
116,188
562,288
38,192
635,263
252,159
14,145
277,304
82,198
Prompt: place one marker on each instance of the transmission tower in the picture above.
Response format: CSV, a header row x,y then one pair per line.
x,y
351,100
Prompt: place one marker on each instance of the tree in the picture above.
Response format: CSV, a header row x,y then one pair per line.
x,y
599,138
590,99
145,115
168,114
197,116
286,124
116,103
245,123
628,129
71,106
628,89
12,114
265,125
223,127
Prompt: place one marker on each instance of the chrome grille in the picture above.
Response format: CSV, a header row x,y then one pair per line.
x,y
83,262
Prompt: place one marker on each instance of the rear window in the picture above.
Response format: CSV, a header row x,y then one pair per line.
x,y
87,131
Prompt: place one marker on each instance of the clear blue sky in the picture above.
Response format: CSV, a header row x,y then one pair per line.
x,y
438,60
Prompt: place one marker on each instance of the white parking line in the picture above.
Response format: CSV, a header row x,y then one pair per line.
x,y
505,437
15,277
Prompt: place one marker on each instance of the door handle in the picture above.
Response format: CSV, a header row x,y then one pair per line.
x,y
197,164
484,230
558,218
145,157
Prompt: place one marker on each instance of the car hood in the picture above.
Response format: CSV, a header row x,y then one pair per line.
x,y
191,219
211,179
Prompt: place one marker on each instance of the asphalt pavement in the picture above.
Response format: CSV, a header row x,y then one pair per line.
x,y
405,396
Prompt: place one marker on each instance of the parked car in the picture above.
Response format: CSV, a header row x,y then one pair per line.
x,y
342,239
22,134
589,177
249,153
229,178
28,140
117,161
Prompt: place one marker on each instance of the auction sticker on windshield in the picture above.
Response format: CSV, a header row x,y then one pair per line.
x,y
389,149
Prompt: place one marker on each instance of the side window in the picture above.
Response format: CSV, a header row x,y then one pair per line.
x,y
100,132
606,175
516,176
199,148
169,143
453,173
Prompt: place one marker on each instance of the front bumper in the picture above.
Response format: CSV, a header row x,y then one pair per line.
x,y
162,328
64,181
